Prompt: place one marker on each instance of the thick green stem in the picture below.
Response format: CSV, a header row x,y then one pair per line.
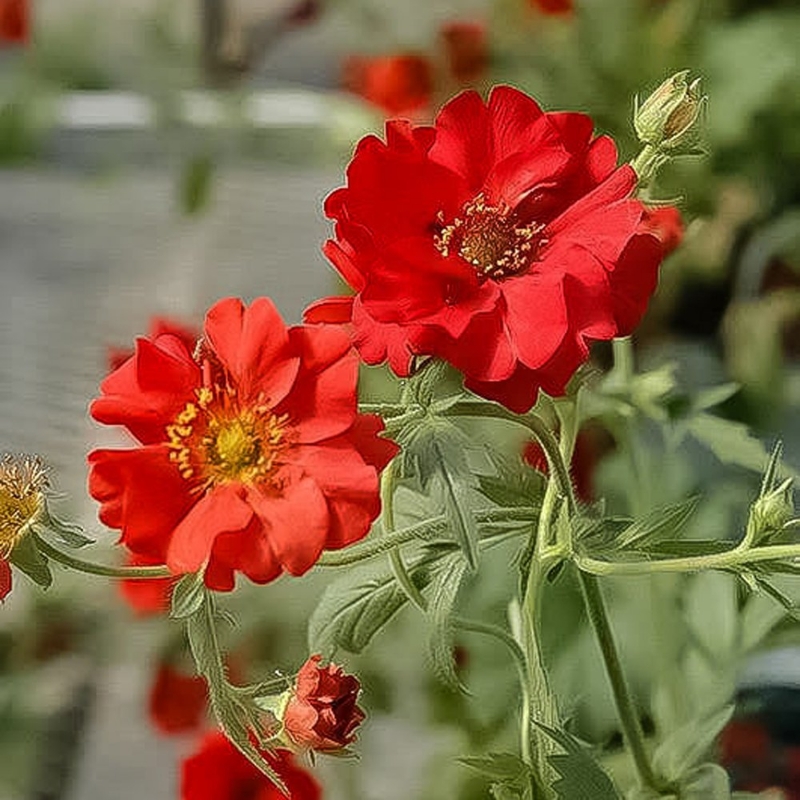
x,y
91,568
626,710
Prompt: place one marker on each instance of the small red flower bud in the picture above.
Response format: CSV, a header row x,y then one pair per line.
x,y
322,711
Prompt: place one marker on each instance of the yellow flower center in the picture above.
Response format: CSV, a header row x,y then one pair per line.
x,y
23,480
214,441
489,238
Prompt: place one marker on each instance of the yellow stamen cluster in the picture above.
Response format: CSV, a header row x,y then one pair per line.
x,y
489,238
214,441
23,480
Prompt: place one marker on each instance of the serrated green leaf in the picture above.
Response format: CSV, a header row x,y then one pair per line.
x,y
70,534
767,587
456,507
448,576
187,596
354,607
657,525
580,774
26,557
684,748
681,548
708,398
505,767
513,483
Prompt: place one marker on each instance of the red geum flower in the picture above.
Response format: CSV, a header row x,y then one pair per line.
x,y
253,457
465,50
552,7
322,712
218,771
177,702
149,596
502,239
666,224
397,84
5,578
14,21
188,334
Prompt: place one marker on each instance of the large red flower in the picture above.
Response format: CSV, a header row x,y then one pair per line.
x,y
502,239
253,457
218,771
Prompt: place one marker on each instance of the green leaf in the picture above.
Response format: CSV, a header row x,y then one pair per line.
x,y
69,533
26,557
354,607
195,183
581,775
187,596
657,525
514,484
512,776
465,528
685,747
448,576
731,442
708,398
707,782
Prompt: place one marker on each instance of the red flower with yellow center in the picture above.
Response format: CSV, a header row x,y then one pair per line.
x,y
253,457
502,239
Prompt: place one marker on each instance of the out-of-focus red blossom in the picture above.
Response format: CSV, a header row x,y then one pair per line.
x,y
159,326
5,578
397,84
253,456
218,771
303,12
145,597
502,239
14,21
465,50
552,7
177,702
585,456
322,712
666,224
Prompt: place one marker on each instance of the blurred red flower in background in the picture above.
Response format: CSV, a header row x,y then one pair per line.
x,y
14,21
503,239
253,457
178,701
5,578
149,596
188,334
322,712
552,7
397,84
666,224
465,50
218,771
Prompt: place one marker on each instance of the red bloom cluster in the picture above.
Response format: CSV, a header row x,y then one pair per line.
x,y
218,771
253,457
502,239
322,712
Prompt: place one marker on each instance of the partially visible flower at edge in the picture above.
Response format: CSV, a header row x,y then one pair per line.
x,y
552,7
510,241
14,21
400,83
218,771
23,482
666,224
253,456
177,701
321,712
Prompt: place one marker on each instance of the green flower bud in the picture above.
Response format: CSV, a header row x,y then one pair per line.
x,y
671,118
772,510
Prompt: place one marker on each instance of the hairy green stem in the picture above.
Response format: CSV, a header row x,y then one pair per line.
x,y
518,656
92,568
626,710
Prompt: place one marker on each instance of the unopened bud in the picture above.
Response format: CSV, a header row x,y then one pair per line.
x,y
773,510
670,119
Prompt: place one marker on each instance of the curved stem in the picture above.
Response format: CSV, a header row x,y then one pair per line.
x,y
519,662
384,409
92,568
626,710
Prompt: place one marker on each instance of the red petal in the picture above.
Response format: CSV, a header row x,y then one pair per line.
x,y
248,551
517,393
634,281
297,522
142,493
329,310
253,344
220,511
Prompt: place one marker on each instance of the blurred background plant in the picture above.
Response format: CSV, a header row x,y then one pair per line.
x,y
131,194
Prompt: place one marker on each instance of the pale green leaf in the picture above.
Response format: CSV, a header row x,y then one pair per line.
x,y
26,557
658,525
187,596
448,576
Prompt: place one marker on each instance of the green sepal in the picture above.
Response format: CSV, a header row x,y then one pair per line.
x,y
26,557
187,596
